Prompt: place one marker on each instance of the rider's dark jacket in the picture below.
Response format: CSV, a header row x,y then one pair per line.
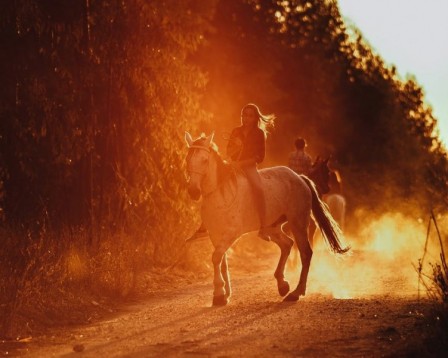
x,y
253,145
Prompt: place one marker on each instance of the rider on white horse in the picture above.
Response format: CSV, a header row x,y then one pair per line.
x,y
229,211
247,148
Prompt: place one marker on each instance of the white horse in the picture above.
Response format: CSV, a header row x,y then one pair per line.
x,y
228,211
337,206
334,198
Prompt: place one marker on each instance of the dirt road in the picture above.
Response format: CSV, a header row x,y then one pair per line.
x,y
180,322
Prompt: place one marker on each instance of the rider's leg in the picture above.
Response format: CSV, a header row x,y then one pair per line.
x,y
255,181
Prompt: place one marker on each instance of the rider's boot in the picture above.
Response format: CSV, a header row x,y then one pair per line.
x,y
200,233
264,233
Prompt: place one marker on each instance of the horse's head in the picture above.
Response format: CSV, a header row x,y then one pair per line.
x,y
320,175
198,158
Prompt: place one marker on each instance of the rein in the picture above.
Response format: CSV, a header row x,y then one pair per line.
x,y
218,186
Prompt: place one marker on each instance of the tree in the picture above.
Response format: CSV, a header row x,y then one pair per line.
x,y
325,83
94,106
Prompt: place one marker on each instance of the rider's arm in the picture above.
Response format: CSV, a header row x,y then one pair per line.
x,y
258,150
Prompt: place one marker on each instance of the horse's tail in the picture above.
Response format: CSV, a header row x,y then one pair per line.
x,y
328,226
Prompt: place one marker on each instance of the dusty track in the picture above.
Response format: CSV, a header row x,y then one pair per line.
x,y
178,322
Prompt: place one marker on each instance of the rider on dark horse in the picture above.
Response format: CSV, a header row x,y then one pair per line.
x,y
299,160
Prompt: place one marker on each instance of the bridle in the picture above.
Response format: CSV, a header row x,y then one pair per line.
x,y
203,173
189,167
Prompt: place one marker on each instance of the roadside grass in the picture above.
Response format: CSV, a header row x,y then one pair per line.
x,y
52,278
436,286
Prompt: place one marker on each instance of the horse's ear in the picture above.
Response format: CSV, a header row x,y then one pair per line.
x,y
188,139
209,140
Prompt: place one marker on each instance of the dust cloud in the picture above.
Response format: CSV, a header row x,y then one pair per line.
x,y
386,251
385,257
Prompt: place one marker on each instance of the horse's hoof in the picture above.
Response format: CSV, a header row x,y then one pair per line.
x,y
301,290
220,300
283,288
291,298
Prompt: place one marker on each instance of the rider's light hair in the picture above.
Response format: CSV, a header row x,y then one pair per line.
x,y
265,121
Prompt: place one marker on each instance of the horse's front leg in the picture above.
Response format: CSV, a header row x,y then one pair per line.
x,y
285,244
226,277
219,291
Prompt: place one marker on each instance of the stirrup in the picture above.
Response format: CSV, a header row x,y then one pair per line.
x,y
199,234
264,234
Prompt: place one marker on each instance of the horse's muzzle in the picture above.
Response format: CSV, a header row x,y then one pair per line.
x,y
194,192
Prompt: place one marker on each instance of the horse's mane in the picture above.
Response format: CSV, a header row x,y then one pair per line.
x,y
318,175
224,169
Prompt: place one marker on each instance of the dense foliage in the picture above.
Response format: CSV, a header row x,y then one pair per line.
x,y
94,101
95,98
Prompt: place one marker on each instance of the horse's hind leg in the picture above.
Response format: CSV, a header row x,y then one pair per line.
x,y
311,232
285,244
293,261
300,232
